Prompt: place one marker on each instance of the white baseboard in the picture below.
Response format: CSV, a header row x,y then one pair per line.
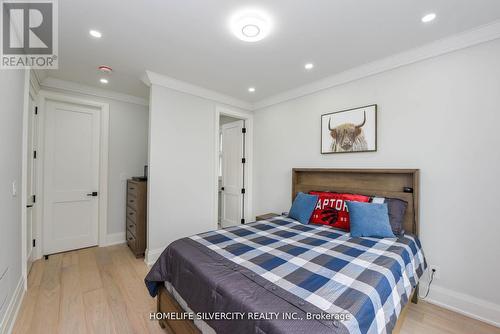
x,y
465,304
115,239
152,255
10,316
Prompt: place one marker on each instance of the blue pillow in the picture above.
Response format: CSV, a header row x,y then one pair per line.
x,y
369,220
303,207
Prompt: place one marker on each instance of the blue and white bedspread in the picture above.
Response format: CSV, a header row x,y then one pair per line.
x,y
326,270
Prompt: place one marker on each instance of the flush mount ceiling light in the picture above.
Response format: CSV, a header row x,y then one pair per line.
x,y
95,33
104,81
250,30
309,66
429,17
250,25
251,90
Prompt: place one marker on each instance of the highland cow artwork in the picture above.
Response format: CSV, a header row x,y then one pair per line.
x,y
347,131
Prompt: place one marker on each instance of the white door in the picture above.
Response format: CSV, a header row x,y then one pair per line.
x,y
31,182
71,177
232,173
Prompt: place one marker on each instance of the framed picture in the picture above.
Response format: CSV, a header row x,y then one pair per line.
x,y
348,131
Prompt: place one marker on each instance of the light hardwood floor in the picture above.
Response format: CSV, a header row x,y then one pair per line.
x,y
101,290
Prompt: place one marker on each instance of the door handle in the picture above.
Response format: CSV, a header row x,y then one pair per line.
x,y
93,194
29,205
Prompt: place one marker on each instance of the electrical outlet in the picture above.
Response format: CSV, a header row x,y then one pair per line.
x,y
435,269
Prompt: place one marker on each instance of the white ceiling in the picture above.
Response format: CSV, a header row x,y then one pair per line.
x,y
189,40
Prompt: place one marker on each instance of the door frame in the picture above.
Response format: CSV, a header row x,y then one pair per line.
x,y
43,97
29,118
29,89
249,215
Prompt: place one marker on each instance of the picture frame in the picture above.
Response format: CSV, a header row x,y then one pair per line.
x,y
349,131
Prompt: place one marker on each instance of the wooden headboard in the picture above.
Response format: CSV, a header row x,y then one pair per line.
x,y
395,183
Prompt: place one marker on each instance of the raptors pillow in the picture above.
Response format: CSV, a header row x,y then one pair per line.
x,y
331,208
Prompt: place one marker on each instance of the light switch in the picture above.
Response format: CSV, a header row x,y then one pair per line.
x,y
14,188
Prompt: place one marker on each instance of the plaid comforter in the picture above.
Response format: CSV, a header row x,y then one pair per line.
x,y
371,279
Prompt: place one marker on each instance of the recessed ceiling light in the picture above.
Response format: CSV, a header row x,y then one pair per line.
x,y
429,17
104,80
95,33
309,66
251,89
251,25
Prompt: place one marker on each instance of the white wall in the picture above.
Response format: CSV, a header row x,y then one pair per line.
x,y
128,153
442,116
11,130
181,159
182,194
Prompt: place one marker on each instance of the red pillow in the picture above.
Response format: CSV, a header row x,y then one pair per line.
x,y
331,208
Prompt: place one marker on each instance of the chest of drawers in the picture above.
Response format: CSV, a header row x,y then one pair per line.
x,y
136,216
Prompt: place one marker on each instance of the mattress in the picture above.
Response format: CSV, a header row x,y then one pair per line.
x,y
312,278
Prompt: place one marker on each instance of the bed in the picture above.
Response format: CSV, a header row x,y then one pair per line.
x,y
280,276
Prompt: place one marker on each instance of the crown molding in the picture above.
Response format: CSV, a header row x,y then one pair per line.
x,y
153,78
440,47
34,81
73,87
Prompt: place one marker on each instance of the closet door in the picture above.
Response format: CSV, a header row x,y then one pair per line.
x,y
232,173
